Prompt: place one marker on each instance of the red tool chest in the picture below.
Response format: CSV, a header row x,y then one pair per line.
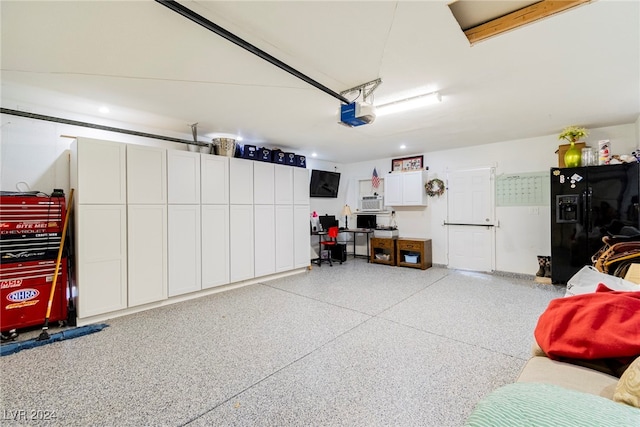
x,y
25,288
30,227
30,232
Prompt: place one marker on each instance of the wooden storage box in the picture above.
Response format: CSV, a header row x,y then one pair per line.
x,y
414,253
383,251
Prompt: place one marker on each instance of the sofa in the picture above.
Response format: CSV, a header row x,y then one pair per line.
x,y
552,390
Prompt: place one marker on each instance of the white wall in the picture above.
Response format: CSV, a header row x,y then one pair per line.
x,y
329,206
34,152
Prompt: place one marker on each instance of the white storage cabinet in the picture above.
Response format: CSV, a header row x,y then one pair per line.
x,y
241,247
265,240
184,249
284,226
405,189
214,220
214,174
146,224
98,176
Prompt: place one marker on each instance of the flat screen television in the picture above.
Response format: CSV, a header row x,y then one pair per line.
x,y
324,183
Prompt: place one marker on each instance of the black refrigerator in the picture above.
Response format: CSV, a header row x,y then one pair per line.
x,y
588,203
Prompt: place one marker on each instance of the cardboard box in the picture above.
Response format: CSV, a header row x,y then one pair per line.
x,y
633,274
562,149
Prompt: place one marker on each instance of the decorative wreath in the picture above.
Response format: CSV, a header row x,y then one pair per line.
x,y
434,187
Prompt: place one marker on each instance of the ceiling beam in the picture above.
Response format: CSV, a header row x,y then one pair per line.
x,y
524,16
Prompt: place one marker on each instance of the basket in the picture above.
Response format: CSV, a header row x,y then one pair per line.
x,y
225,146
411,259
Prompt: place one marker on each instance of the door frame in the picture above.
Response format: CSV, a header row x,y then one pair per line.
x,y
492,225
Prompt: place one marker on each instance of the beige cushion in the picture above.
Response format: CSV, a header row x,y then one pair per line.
x,y
545,370
628,388
598,365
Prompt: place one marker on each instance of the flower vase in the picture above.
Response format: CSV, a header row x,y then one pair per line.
x,y
572,156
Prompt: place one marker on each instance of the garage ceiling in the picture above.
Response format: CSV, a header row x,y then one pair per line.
x,y
157,70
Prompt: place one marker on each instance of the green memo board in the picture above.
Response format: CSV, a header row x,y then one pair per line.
x,y
522,189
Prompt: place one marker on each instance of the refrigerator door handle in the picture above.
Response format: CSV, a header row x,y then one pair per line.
x,y
586,209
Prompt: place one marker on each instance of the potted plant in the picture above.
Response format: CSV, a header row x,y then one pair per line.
x,y
573,154
573,133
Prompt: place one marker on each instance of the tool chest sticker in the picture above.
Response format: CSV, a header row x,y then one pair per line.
x,y
22,298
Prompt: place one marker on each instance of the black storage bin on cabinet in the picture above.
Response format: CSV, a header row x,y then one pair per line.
x,y
278,157
264,154
301,161
250,152
290,159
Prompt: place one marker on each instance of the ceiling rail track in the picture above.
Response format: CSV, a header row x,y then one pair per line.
x,y
204,22
90,125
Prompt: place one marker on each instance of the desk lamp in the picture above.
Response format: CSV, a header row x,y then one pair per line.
x,y
346,211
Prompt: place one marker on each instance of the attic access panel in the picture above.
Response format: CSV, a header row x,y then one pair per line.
x,y
480,19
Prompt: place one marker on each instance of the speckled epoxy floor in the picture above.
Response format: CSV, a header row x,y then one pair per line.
x,y
355,344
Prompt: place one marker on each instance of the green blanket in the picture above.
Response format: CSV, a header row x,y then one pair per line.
x,y
537,404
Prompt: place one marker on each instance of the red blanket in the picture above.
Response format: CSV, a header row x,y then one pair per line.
x,y
604,324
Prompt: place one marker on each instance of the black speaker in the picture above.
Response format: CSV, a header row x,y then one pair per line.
x,y
339,252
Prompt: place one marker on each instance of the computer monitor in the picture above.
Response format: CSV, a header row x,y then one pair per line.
x,y
366,221
327,221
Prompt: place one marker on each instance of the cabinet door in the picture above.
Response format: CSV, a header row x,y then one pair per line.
x,y
98,171
101,239
184,249
147,253
263,183
393,189
284,237
265,240
215,179
241,242
240,181
146,175
215,245
300,186
284,185
183,173
413,192
301,236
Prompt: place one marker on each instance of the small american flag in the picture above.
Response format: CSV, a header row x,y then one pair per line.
x,y
375,180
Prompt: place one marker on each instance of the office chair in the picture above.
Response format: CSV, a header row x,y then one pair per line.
x,y
330,242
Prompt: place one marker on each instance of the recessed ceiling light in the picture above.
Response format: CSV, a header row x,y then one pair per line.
x,y
402,147
104,110
314,154
239,138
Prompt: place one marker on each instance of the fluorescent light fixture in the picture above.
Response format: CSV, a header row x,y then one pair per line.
x,y
406,104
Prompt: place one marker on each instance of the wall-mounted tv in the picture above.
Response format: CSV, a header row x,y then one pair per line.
x,y
324,183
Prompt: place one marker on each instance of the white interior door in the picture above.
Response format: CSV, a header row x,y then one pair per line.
x,y
471,219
